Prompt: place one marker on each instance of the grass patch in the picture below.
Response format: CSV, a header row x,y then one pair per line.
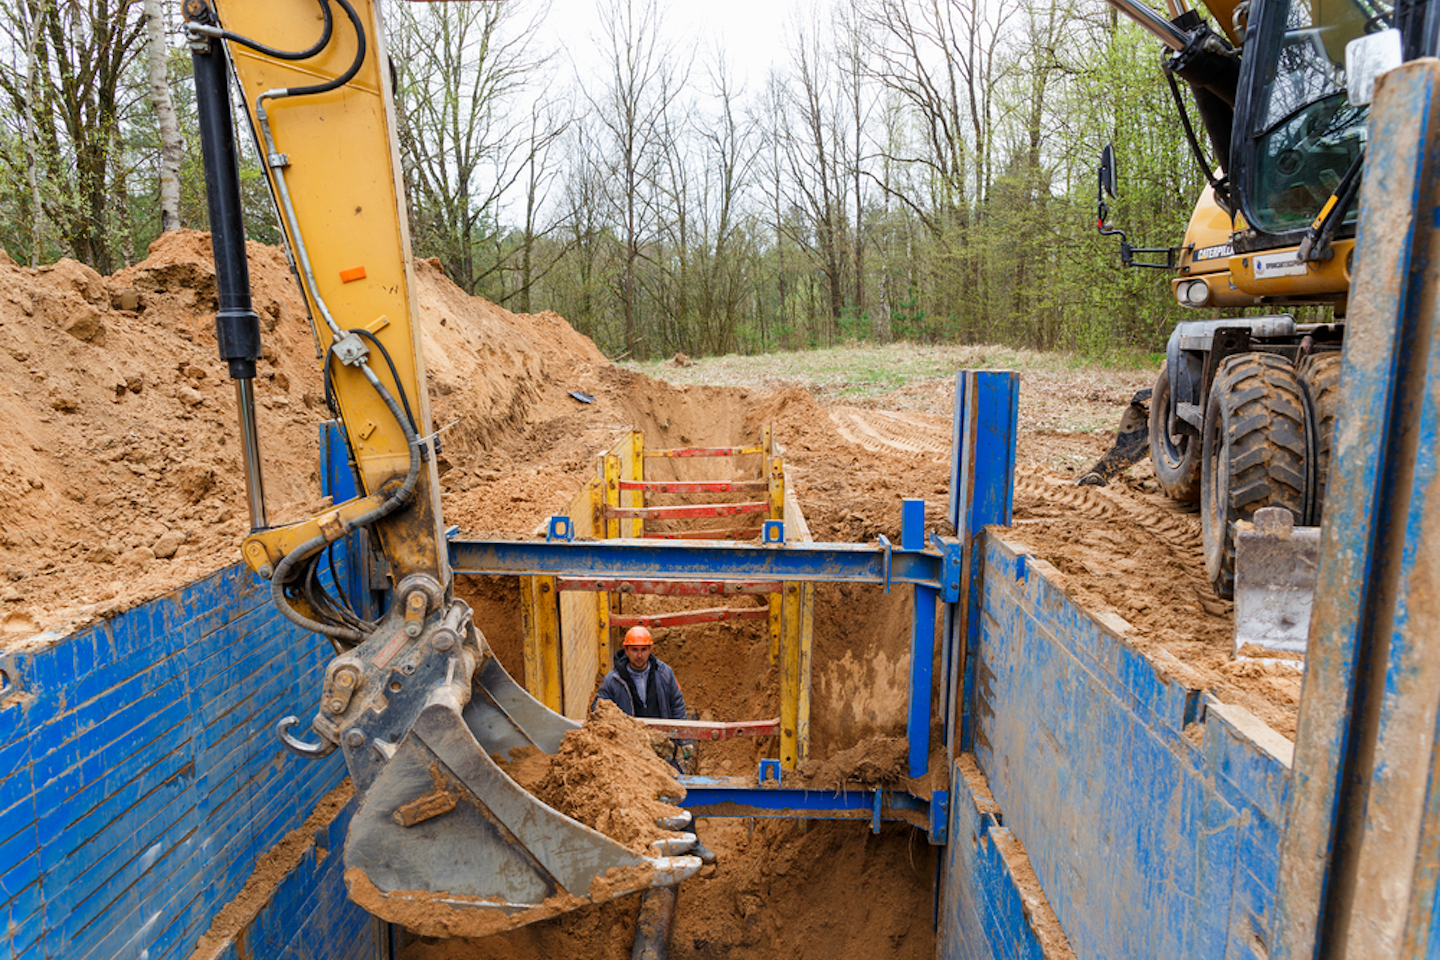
x,y
864,372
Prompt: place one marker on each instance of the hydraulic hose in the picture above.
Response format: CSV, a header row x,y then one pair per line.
x,y
280,578
259,47
282,189
289,566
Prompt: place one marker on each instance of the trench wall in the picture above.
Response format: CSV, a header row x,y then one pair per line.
x,y
1150,813
140,779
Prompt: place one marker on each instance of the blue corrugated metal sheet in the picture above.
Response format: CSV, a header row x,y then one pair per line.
x,y
140,779
982,914
1149,840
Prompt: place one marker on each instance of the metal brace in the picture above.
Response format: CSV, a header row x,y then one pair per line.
x,y
770,773
350,349
950,550
772,533
559,530
310,751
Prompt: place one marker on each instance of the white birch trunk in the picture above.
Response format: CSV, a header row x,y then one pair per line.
x,y
32,137
171,146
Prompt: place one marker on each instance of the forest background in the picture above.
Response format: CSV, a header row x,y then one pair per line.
x,y
918,170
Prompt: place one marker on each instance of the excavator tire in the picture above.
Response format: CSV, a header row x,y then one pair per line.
x,y
1253,455
1320,379
1175,457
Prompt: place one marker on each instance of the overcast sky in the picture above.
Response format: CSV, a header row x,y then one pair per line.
x,y
751,32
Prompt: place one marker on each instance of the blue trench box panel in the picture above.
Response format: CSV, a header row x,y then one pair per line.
x,y
1151,812
982,913
140,779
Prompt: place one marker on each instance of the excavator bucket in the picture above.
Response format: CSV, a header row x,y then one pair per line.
x,y
1132,444
1276,568
445,843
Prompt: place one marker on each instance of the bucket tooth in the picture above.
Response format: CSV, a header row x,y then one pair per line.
x,y
494,859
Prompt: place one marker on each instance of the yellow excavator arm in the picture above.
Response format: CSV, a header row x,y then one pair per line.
x,y
442,839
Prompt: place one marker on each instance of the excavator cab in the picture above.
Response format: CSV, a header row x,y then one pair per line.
x,y
443,840
1299,135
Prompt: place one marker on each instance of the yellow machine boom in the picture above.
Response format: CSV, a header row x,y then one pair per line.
x,y
442,840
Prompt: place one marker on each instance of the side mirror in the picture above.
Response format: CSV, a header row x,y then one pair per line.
x,y
1107,171
1365,59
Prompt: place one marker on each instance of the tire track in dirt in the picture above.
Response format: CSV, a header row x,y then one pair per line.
x,y
1039,496
893,431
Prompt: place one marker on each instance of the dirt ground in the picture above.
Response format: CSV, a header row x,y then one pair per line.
x,y
120,481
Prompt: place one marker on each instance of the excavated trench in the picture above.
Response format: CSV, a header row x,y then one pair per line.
x,y
781,888
121,483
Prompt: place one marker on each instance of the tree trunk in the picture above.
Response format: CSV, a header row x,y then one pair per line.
x,y
172,147
32,137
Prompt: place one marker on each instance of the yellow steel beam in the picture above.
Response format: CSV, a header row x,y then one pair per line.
x,y
776,489
776,624
802,696
341,163
790,665
596,488
637,473
610,465
541,614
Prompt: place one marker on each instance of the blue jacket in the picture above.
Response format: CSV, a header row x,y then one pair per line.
x,y
616,688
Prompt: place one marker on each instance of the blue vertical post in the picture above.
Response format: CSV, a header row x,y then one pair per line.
x,y
922,644
982,493
337,481
1360,857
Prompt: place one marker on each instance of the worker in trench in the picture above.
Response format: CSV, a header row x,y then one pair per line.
x,y
643,685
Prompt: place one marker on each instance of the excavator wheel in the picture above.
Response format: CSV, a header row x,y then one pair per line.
x,y
1253,455
1175,456
1320,379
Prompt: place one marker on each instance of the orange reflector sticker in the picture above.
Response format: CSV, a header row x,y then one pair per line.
x,y
353,274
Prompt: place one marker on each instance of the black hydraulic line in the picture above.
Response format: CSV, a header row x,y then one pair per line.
x,y
282,573
350,72
394,374
344,601
237,327
1221,185
305,54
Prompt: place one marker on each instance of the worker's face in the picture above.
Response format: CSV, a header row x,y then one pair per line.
x,y
639,656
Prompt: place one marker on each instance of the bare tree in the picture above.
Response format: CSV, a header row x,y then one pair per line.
x,y
548,123
71,94
941,57
813,163
729,161
462,71
641,82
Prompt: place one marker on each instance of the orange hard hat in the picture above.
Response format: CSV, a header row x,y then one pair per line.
x,y
637,637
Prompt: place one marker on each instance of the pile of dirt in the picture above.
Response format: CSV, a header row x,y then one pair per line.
x,y
121,470
781,889
607,775
877,762
121,475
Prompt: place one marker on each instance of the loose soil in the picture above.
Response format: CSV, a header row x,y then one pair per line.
x,y
607,776
120,480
